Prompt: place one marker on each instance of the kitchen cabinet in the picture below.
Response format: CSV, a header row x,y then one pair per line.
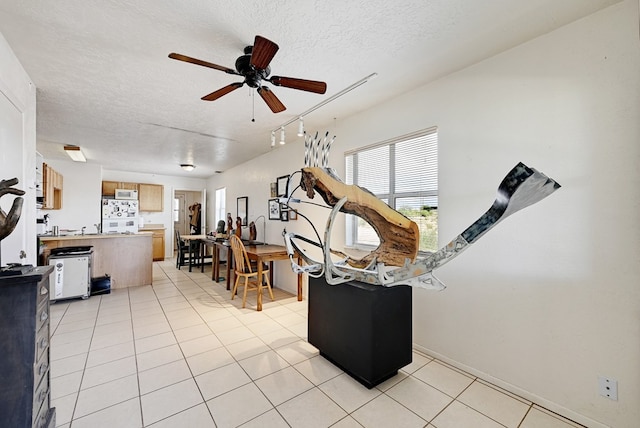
x,y
51,188
109,187
157,240
24,362
150,197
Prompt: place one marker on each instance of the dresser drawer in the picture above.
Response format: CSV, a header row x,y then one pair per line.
x,y
40,370
41,402
42,340
42,316
43,292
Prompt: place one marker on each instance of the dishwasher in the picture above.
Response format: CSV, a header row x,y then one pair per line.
x,y
71,276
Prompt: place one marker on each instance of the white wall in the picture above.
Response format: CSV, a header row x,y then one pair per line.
x,y
18,153
81,196
548,300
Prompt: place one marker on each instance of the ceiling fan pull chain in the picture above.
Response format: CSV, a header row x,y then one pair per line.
x,y
253,105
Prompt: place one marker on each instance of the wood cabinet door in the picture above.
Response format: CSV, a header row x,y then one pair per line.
x,y
129,186
158,245
47,186
150,197
51,188
109,188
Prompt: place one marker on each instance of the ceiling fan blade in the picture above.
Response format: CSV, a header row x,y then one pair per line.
x,y
301,84
222,91
270,98
196,61
263,52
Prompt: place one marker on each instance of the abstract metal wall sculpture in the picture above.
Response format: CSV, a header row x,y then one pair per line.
x,y
9,221
395,261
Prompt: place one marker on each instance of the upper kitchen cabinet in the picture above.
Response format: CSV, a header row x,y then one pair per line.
x,y
51,188
109,187
150,197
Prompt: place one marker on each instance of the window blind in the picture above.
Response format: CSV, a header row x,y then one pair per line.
x,y
403,172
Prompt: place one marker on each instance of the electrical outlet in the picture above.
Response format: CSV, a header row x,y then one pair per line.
x,y
608,387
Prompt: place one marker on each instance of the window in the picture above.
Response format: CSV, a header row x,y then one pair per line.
x,y
220,205
403,173
176,210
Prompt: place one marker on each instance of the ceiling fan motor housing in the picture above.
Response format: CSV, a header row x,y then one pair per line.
x,y
253,76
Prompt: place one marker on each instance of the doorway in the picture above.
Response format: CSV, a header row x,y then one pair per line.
x,y
189,214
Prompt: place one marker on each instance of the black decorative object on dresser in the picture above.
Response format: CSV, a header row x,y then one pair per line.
x,y
24,361
363,329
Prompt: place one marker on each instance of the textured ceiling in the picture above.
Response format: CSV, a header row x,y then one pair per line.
x,y
104,81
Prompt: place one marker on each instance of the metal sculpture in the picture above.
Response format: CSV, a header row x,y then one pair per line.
x,y
395,261
9,221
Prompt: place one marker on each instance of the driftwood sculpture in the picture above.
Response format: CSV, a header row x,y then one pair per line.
x,y
395,261
9,221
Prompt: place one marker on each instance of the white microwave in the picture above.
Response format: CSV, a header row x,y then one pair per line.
x,y
126,194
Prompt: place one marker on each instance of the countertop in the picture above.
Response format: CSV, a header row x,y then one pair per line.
x,y
45,238
152,226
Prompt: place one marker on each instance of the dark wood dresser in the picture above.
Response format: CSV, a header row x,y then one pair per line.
x,y
24,356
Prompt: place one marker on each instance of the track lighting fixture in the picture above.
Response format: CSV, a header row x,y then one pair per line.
x,y
273,138
317,106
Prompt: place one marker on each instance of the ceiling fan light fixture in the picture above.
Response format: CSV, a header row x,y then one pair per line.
x,y
187,166
300,127
75,153
282,135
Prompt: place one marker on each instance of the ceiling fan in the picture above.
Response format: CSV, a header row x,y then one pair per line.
x,y
254,67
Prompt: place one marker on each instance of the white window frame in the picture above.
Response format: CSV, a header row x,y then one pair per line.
x,y
221,196
391,195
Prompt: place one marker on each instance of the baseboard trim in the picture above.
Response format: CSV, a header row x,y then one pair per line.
x,y
540,401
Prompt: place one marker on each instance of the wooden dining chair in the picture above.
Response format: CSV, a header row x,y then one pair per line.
x,y
183,249
245,270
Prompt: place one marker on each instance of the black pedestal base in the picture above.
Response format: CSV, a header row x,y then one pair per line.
x,y
363,329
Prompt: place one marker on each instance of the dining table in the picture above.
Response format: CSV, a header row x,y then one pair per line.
x,y
259,252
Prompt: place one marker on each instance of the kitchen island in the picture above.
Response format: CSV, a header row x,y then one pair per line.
x,y
126,258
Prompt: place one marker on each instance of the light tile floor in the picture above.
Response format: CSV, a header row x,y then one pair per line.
x,y
182,353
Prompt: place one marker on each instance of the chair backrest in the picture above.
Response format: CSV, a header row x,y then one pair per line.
x,y
179,241
240,257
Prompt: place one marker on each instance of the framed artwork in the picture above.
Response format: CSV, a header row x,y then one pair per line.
x,y
284,214
274,209
282,185
274,190
243,208
293,215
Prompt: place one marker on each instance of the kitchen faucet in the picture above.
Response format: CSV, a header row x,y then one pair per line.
x,y
98,227
83,228
264,229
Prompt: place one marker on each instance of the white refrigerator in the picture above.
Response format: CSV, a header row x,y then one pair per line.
x,y
119,216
